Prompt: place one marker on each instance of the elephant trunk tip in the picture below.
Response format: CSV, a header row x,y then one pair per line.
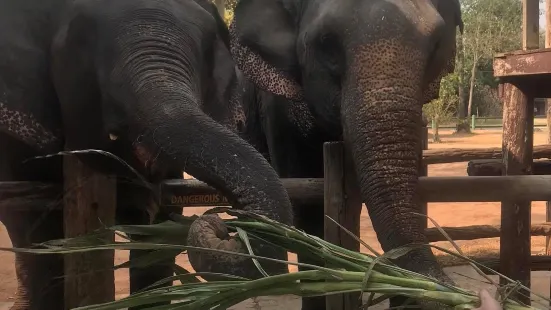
x,y
210,233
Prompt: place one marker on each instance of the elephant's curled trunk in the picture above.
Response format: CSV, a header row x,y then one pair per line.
x,y
210,152
177,134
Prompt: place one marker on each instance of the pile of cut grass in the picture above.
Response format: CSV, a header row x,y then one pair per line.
x,y
351,271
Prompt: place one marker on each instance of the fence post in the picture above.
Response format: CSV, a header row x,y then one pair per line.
x,y
518,135
89,197
473,122
343,203
548,116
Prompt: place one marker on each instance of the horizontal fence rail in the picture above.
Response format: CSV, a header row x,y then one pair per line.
x,y
314,191
487,122
495,167
537,263
480,232
191,192
179,192
445,156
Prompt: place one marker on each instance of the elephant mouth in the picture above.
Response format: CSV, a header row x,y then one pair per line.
x,y
147,159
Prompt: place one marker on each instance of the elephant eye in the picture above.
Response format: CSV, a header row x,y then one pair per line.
x,y
330,52
327,40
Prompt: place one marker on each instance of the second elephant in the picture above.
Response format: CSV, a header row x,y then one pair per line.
x,y
358,71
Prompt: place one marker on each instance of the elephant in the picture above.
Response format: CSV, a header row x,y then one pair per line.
x,y
352,71
152,82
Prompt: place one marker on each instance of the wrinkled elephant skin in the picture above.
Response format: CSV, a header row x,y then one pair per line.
x,y
152,82
350,70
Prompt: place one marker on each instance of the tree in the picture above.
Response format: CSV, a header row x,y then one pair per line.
x,y
228,16
225,8
443,109
491,26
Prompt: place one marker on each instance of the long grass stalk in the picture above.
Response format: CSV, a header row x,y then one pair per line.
x,y
345,270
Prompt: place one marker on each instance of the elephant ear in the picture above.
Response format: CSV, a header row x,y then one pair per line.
x,y
443,59
263,44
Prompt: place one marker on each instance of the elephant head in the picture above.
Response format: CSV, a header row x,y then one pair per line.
x,y
152,80
365,69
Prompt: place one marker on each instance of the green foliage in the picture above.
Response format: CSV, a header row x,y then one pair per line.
x,y
443,109
229,6
491,26
228,16
344,271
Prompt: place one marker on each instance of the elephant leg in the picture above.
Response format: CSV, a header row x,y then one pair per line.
x,y
39,277
132,210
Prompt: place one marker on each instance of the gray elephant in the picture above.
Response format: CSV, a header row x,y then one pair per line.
x,y
152,82
358,71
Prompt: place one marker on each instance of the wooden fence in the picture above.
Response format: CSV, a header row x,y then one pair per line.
x,y
489,122
337,191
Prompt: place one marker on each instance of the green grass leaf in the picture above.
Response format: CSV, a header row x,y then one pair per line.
x,y
345,270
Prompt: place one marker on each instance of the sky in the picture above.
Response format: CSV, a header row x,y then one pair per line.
x,y
542,17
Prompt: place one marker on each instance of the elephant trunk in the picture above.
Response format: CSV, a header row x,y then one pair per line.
x,y
193,142
172,132
382,117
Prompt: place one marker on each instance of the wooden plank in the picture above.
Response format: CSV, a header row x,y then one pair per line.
x,y
443,156
485,189
521,53
480,231
495,167
523,63
192,192
537,262
90,197
432,189
485,167
342,208
530,24
548,114
547,23
518,118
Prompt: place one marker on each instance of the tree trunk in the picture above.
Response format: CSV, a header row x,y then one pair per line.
x,y
462,109
471,89
462,122
435,134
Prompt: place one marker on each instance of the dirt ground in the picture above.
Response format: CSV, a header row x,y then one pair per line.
x,y
446,214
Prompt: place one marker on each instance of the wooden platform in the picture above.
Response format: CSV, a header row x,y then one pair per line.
x,y
529,70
